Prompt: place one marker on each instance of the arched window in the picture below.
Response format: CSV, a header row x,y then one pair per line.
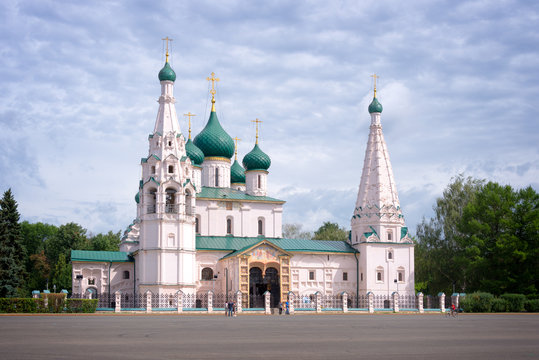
x,y
260,227
390,255
389,236
229,226
126,275
379,274
151,201
171,201
259,181
153,169
170,169
189,208
216,177
207,274
197,225
400,274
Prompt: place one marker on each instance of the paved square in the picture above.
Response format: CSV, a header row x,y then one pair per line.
x,y
269,337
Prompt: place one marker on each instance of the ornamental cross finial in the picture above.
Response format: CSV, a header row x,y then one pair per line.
x,y
236,139
213,79
189,115
257,122
374,76
167,39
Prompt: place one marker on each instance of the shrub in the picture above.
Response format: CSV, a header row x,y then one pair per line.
x,y
81,305
499,305
515,302
55,302
532,305
21,305
477,302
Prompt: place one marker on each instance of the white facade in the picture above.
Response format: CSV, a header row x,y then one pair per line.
x,y
195,232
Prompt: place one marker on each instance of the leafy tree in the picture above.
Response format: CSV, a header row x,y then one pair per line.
x,y
106,242
293,231
330,231
12,252
62,274
39,273
69,236
439,258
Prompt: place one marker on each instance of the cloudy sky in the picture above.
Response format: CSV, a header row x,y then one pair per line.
x,y
459,82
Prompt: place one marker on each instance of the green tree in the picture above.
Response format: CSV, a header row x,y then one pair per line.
x,y
330,231
294,231
12,251
39,272
69,236
106,242
62,274
439,258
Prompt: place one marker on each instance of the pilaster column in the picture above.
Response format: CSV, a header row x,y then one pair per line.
x,y
239,307
267,297
179,301
441,297
344,302
420,302
395,302
370,295
148,301
118,302
318,301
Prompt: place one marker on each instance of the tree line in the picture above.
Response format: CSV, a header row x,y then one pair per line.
x,y
37,256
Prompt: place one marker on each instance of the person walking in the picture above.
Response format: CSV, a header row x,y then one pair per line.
x,y
280,308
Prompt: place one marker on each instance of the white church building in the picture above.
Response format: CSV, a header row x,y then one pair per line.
x,y
205,222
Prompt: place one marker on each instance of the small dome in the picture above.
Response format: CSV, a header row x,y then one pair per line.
x,y
375,106
213,139
137,198
195,154
256,159
166,73
237,173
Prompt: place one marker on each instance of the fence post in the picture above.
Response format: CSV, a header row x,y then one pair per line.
x,y
118,302
344,302
210,301
148,301
441,297
395,301
239,307
291,297
179,301
420,302
318,301
35,294
370,295
267,309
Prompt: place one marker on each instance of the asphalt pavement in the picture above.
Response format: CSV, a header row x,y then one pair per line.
x,y
379,336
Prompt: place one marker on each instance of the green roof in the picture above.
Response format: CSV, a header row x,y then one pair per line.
x,y
237,173
232,194
167,73
256,159
231,243
195,154
100,256
375,106
213,140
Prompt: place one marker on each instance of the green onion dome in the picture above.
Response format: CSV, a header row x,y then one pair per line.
x,y
195,154
375,106
137,198
213,139
237,173
166,73
256,159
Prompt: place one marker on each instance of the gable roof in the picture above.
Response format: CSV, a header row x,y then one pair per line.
x,y
212,193
100,256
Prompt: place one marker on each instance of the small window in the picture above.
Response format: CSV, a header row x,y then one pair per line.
x,y
126,275
216,177
153,169
390,255
207,274
229,226
91,281
361,276
401,276
169,143
197,225
259,182
170,169
260,227
389,236
379,276
311,275
344,276
229,206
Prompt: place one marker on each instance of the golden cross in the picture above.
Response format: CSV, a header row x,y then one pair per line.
x,y
257,122
374,76
236,139
189,115
167,40
213,79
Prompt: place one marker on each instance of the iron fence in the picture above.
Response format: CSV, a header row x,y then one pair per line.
x,y
256,301
304,301
408,302
164,301
382,302
331,301
358,302
132,301
431,302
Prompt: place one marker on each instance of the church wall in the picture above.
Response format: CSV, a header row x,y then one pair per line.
x,y
98,272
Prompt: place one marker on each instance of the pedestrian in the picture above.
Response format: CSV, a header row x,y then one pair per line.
x,y
280,308
230,308
234,309
287,308
226,308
